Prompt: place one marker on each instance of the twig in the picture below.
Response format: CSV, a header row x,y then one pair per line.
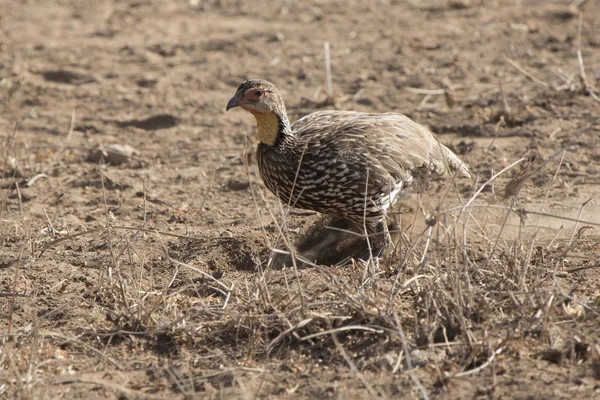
x,y
429,92
65,238
521,211
505,105
5,169
206,275
343,328
287,332
145,202
572,270
481,367
587,87
31,364
424,101
52,230
20,197
34,179
328,82
210,183
419,385
491,180
71,126
527,74
64,146
111,252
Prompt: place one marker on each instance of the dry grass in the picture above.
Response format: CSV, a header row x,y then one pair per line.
x,y
454,298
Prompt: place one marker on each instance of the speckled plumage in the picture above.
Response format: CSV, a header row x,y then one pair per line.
x,y
349,164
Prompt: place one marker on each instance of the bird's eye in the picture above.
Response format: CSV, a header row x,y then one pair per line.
x,y
258,93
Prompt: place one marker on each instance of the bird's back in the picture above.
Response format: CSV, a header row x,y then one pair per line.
x,y
392,141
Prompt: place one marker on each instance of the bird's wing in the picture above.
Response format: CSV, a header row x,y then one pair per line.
x,y
392,145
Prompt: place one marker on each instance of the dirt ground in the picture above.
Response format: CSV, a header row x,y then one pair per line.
x,y
149,276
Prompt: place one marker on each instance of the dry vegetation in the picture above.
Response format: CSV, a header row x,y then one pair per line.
x,y
150,277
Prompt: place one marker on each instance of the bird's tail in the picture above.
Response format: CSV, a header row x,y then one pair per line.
x,y
455,163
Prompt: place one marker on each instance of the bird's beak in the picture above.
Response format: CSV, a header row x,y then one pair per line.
x,y
234,102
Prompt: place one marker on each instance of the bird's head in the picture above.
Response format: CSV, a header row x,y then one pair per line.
x,y
256,96
262,99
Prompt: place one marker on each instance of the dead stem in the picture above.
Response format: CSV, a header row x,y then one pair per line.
x,y
587,86
527,74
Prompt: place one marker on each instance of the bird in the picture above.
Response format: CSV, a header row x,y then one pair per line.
x,y
346,164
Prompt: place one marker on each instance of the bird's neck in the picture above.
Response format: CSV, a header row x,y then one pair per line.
x,y
273,127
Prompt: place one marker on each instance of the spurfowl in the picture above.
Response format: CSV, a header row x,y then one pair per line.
x,y
352,165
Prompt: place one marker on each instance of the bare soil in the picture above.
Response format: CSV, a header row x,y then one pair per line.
x,y
150,278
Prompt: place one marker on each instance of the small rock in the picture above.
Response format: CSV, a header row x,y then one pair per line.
x,y
459,4
67,77
114,154
277,37
554,356
365,101
24,197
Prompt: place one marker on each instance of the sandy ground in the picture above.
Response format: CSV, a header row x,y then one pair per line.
x,y
148,277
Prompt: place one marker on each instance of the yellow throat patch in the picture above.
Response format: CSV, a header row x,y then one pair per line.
x,y
267,125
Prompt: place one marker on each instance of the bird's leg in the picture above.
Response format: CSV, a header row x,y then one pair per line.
x,y
379,238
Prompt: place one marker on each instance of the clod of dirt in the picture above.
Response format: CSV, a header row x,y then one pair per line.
x,y
24,197
221,253
166,345
164,50
239,254
554,356
563,13
147,82
237,185
89,127
67,77
365,101
445,334
463,147
114,154
572,350
153,123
